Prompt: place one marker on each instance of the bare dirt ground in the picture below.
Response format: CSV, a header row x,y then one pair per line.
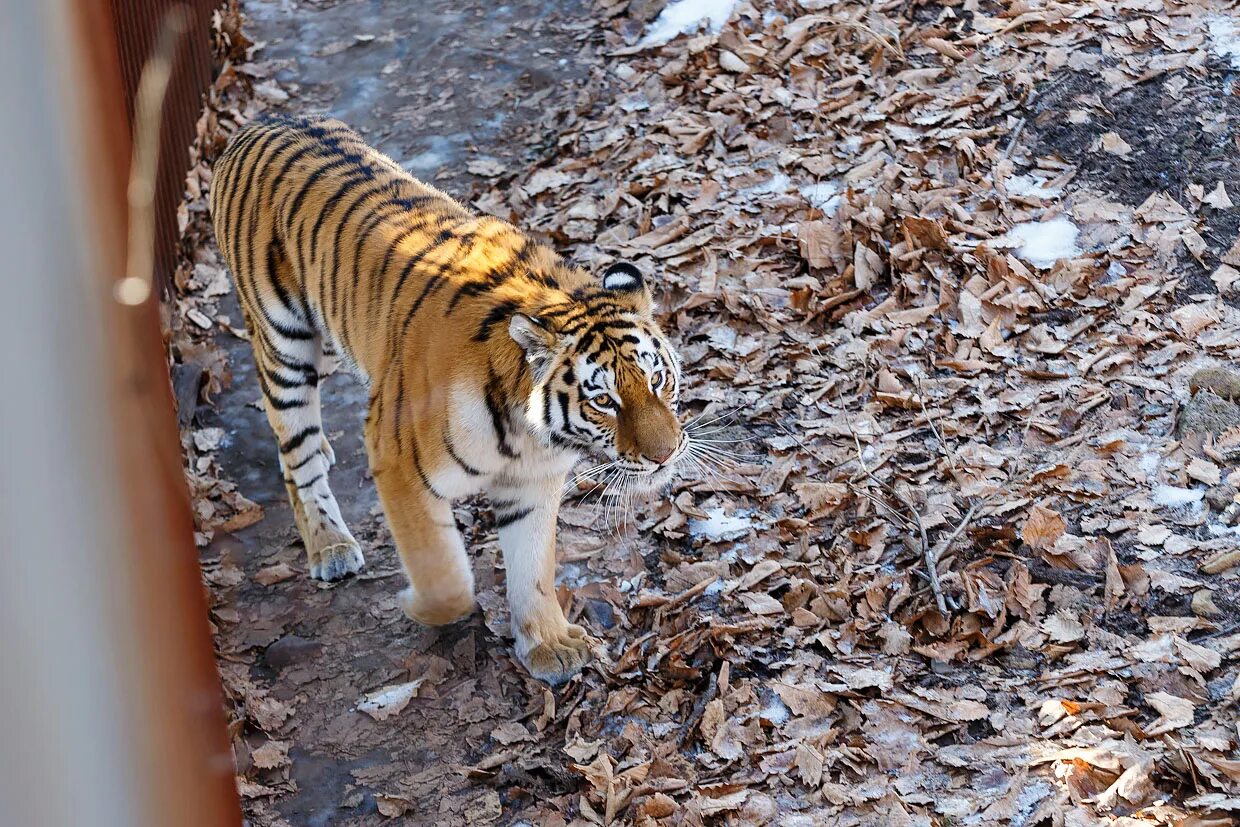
x,y
945,270
437,86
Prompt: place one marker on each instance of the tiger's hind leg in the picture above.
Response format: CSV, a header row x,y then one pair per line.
x,y
287,353
287,358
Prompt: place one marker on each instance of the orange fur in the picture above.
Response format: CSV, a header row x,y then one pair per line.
x,y
470,336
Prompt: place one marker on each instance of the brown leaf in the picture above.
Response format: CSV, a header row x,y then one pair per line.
x,y
1114,144
818,242
1176,712
274,574
821,498
868,266
1043,527
924,233
1218,198
271,754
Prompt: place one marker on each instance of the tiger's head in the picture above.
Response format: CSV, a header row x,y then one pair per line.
x,y
605,379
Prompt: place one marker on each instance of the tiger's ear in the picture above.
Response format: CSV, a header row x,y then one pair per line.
x,y
626,282
535,340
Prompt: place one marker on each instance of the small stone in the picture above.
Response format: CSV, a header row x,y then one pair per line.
x,y
600,613
1219,381
290,650
1220,496
1208,413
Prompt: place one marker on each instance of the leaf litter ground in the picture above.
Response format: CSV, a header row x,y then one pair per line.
x,y
947,275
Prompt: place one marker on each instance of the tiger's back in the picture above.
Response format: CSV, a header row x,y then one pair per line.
x,y
330,236
484,353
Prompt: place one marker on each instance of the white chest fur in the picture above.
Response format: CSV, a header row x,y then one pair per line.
x,y
480,452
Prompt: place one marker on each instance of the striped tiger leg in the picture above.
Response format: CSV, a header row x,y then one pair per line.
x,y
299,511
551,648
289,379
441,583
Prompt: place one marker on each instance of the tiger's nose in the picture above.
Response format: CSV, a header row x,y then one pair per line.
x,y
660,447
649,431
660,454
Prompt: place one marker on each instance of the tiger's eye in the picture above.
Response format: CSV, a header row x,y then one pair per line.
x,y
604,402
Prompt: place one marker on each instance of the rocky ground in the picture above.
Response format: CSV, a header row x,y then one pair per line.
x,y
948,273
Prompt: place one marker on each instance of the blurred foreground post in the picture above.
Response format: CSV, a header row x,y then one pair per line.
x,y
109,700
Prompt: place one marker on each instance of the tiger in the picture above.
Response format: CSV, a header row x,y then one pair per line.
x,y
491,366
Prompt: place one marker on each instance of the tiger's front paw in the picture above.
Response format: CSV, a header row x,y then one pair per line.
x,y
557,656
437,609
337,561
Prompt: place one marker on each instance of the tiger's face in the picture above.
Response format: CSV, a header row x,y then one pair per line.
x,y
606,380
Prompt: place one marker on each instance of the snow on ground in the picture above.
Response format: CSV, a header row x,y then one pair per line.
x,y
823,602
777,184
1171,496
824,196
1042,243
1031,185
719,526
776,711
1225,37
684,16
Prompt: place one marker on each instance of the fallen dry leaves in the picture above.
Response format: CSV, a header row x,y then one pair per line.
x,y
827,194
929,344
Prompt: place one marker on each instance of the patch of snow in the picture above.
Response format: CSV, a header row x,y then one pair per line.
x,y
682,16
1220,530
1170,496
719,526
1042,243
770,17
390,700
777,184
853,143
663,728
715,588
824,196
1225,35
1149,463
778,229
776,711
1031,185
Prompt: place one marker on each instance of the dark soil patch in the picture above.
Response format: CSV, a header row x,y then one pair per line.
x,y
433,84
1178,137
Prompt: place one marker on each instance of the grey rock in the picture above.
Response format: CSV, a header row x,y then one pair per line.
x,y
289,650
1208,413
1220,496
601,613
